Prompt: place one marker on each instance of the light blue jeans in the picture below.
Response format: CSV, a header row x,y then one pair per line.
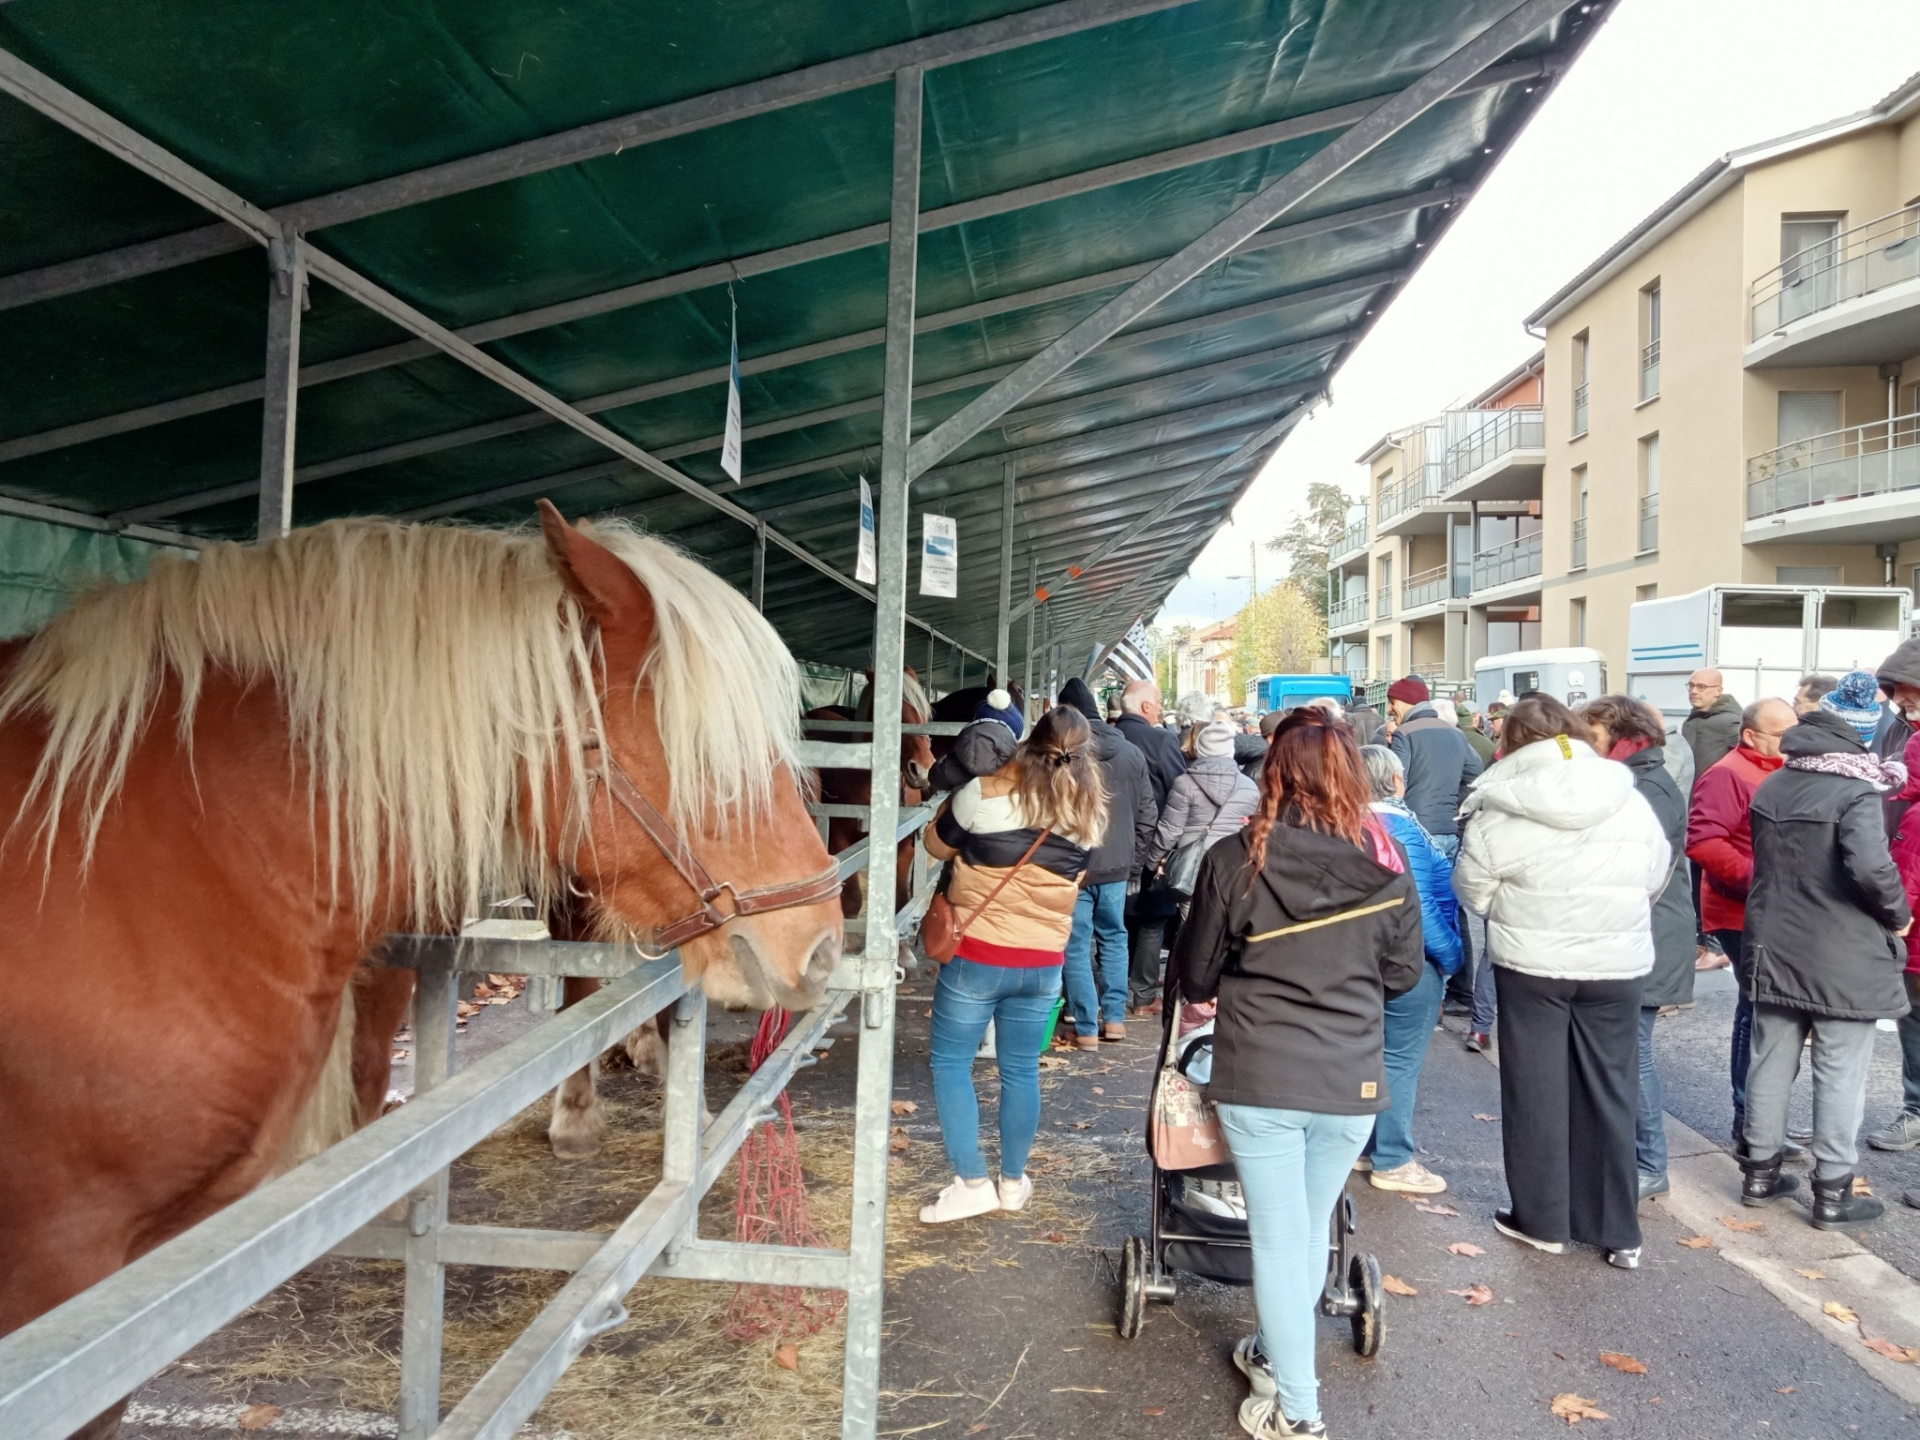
x,y
1099,925
1650,1125
1293,1165
1019,1001
1409,1031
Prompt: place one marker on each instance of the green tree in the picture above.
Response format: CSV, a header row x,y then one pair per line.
x,y
1281,632
1307,539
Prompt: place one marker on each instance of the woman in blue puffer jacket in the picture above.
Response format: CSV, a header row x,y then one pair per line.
x,y
1412,1016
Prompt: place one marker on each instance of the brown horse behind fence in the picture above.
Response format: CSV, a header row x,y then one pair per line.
x,y
226,781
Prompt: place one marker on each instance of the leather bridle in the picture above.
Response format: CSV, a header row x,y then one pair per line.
x,y
603,769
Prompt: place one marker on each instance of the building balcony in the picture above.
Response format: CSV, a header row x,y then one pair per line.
x,y
1851,300
1415,506
1351,542
1508,565
1428,591
1383,603
1347,614
1855,486
1501,457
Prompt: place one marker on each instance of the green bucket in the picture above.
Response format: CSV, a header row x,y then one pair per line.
x,y
1053,1023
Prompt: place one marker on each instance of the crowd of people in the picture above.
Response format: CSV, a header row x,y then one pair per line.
x,y
1316,889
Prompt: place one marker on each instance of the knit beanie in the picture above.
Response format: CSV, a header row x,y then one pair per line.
x,y
1076,694
999,706
1856,700
1411,690
1213,738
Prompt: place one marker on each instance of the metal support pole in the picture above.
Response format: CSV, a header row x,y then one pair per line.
x,y
435,996
286,298
1033,583
1006,576
760,566
866,1261
686,1094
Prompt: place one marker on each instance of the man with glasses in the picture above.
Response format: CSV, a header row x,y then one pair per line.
x,y
1711,729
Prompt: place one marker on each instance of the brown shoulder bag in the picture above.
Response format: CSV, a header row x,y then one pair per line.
x,y
940,932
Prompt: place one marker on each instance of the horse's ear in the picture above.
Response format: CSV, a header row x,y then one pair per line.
x,y
601,581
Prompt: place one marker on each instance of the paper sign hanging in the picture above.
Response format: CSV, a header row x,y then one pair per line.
x,y
864,568
939,556
730,443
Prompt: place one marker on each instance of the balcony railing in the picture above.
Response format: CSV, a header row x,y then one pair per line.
x,y
1580,409
1428,587
1349,611
1649,523
1383,602
1877,458
1501,433
1649,370
1351,541
1504,564
1578,560
1858,262
1423,486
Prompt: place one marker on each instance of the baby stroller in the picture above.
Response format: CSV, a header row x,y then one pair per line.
x,y
1198,1221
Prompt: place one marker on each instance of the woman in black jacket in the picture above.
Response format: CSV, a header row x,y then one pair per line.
x,y
1302,925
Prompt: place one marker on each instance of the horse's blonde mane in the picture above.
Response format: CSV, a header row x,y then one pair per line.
x,y
437,680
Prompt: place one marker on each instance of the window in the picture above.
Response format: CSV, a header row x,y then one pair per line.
x,y
1383,599
1650,342
1645,592
1578,559
1385,646
1804,414
1649,535
1580,383
1806,575
1809,256
1577,621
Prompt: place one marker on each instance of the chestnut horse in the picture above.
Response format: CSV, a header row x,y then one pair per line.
x,y
228,780
855,787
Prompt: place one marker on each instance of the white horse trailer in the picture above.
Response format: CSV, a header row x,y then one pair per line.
x,y
1572,674
1761,638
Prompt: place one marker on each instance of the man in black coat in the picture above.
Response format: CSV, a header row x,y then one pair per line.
x,y
1139,721
1441,765
1824,921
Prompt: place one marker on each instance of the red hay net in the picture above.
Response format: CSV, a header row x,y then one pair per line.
x,y
771,1209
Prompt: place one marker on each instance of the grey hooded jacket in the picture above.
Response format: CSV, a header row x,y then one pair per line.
x,y
1213,799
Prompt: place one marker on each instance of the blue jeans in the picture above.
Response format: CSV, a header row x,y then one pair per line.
x,y
1410,1021
1910,1049
1099,924
1293,1165
1650,1126
1018,1000
1741,1050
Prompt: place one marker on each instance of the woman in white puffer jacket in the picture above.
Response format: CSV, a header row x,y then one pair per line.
x,y
1564,858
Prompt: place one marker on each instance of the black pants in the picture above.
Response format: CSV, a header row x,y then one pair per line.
x,y
1569,1092
1147,935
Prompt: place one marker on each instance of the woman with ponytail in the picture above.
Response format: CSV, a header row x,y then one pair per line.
x,y
1020,840
1302,925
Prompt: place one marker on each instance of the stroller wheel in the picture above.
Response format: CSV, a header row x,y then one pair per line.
x,y
1133,1287
1369,1319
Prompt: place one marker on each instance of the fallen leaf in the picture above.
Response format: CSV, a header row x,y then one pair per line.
x,y
1052,1062
1811,1274
1787,1390
978,1428
1625,1364
1492,1119
1575,1408
1154,1410
1475,1294
899,1144
1860,1185
1696,1242
1845,1314
1745,1227
1464,1247
905,1107
787,1357
893,1160
926,1014
1428,1208
1905,1354
465,1009
1099,1090
482,990
1054,1237
1394,1285
258,1417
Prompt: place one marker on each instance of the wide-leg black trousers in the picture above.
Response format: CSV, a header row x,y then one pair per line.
x,y
1569,1090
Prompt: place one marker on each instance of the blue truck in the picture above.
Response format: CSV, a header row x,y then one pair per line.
x,y
1288,692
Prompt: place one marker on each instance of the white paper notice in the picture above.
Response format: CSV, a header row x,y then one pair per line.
x,y
864,568
730,443
939,556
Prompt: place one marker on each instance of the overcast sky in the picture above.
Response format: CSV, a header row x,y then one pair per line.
x,y
1665,87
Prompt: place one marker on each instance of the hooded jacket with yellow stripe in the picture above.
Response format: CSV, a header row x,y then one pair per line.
x,y
1303,960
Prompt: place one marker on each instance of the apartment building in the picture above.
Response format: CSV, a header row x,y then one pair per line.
x,y
1731,388
1441,562
1203,664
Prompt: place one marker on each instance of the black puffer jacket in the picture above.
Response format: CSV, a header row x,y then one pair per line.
x,y
1671,982
1131,813
980,749
1827,905
1303,963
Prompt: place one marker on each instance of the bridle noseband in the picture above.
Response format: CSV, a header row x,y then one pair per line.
x,y
602,769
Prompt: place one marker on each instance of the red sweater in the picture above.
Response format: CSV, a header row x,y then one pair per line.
x,y
1720,834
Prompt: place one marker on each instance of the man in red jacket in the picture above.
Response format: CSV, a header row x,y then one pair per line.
x,y
1720,842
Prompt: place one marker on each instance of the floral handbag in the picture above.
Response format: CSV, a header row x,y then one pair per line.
x,y
1185,1131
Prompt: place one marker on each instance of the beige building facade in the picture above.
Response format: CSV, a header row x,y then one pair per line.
x,y
1730,391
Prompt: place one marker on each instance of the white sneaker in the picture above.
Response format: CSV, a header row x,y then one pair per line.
x,y
1251,1362
960,1201
1014,1194
1260,1417
1412,1178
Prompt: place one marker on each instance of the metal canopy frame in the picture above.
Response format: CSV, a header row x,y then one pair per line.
x,y
1234,436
